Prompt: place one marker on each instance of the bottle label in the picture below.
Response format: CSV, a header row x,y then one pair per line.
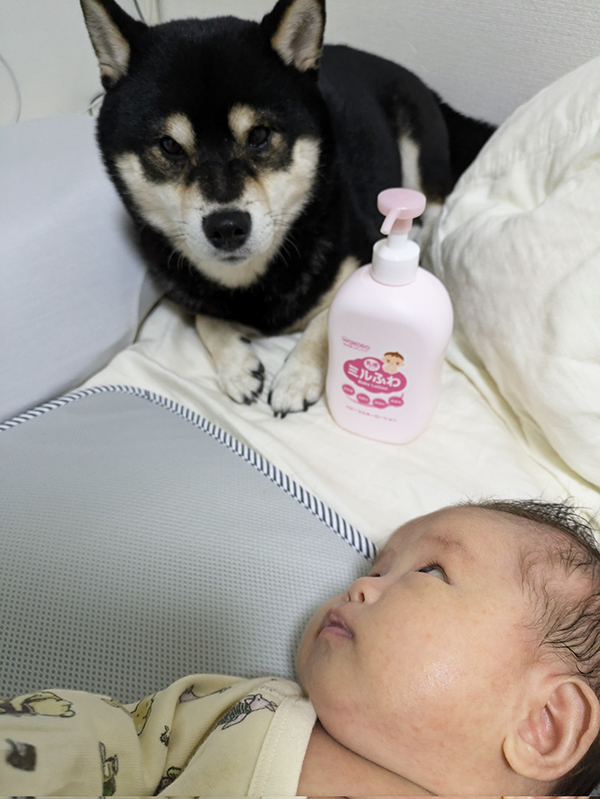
x,y
379,377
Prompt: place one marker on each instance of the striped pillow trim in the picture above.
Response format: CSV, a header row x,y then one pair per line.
x,y
329,517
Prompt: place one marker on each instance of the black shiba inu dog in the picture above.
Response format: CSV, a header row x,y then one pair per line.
x,y
251,157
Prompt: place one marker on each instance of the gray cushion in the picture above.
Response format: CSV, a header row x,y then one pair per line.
x,y
74,286
140,543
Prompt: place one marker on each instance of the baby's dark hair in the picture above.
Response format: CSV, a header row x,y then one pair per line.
x,y
569,625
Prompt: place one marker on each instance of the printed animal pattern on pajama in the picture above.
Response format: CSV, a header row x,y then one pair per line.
x,y
240,711
22,755
42,703
110,767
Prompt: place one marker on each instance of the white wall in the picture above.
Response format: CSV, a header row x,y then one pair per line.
x,y
483,56
46,46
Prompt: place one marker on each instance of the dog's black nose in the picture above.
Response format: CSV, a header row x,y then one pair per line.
x,y
227,230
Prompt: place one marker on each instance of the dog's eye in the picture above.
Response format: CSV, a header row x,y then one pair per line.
x,y
170,147
259,137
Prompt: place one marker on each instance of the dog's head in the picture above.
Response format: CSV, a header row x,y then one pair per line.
x,y
213,129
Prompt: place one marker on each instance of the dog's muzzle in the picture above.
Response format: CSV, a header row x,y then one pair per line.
x,y
227,230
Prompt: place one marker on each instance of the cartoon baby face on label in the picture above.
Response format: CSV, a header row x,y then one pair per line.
x,y
392,361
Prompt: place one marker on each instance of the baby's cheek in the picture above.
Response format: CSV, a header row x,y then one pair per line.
x,y
302,657
309,637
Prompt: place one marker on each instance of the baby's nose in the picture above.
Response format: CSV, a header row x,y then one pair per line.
x,y
365,589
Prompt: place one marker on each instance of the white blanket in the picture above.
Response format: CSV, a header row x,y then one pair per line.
x,y
468,452
518,247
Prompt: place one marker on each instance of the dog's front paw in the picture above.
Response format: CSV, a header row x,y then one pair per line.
x,y
242,376
297,386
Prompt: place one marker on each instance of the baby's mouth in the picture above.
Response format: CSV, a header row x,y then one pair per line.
x,y
334,623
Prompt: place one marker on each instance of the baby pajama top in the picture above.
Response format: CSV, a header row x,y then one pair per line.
x,y
205,734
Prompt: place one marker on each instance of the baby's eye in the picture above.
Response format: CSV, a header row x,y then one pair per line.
x,y
435,570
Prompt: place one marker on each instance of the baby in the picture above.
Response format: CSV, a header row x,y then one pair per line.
x,y
466,662
392,361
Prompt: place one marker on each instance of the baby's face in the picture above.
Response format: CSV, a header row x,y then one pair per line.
x,y
392,360
423,660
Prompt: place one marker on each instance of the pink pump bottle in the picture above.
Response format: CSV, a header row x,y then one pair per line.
x,y
389,326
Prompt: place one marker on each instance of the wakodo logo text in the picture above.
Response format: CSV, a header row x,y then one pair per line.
x,y
355,345
370,374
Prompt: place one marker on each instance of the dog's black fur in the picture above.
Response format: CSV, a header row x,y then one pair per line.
x,y
353,106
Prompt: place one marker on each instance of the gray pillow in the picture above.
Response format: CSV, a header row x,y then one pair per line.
x,y
141,543
74,287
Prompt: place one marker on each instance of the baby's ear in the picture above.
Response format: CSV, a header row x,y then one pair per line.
x,y
561,723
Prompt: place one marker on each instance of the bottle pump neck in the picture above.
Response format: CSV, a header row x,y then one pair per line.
x,y
396,258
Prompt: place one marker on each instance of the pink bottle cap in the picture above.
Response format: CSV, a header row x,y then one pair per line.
x,y
400,207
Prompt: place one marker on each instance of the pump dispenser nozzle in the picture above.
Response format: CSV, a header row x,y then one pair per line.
x,y
395,259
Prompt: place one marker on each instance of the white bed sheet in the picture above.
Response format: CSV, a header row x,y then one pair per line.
x,y
471,450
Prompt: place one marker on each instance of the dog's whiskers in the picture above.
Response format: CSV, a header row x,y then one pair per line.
x,y
281,217
284,248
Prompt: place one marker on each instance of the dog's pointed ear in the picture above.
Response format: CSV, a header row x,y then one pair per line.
x,y
295,30
112,32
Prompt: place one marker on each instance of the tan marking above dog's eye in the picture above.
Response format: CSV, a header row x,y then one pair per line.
x,y
242,118
176,137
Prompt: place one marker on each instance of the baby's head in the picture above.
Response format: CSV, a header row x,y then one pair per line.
x,y
392,361
468,661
